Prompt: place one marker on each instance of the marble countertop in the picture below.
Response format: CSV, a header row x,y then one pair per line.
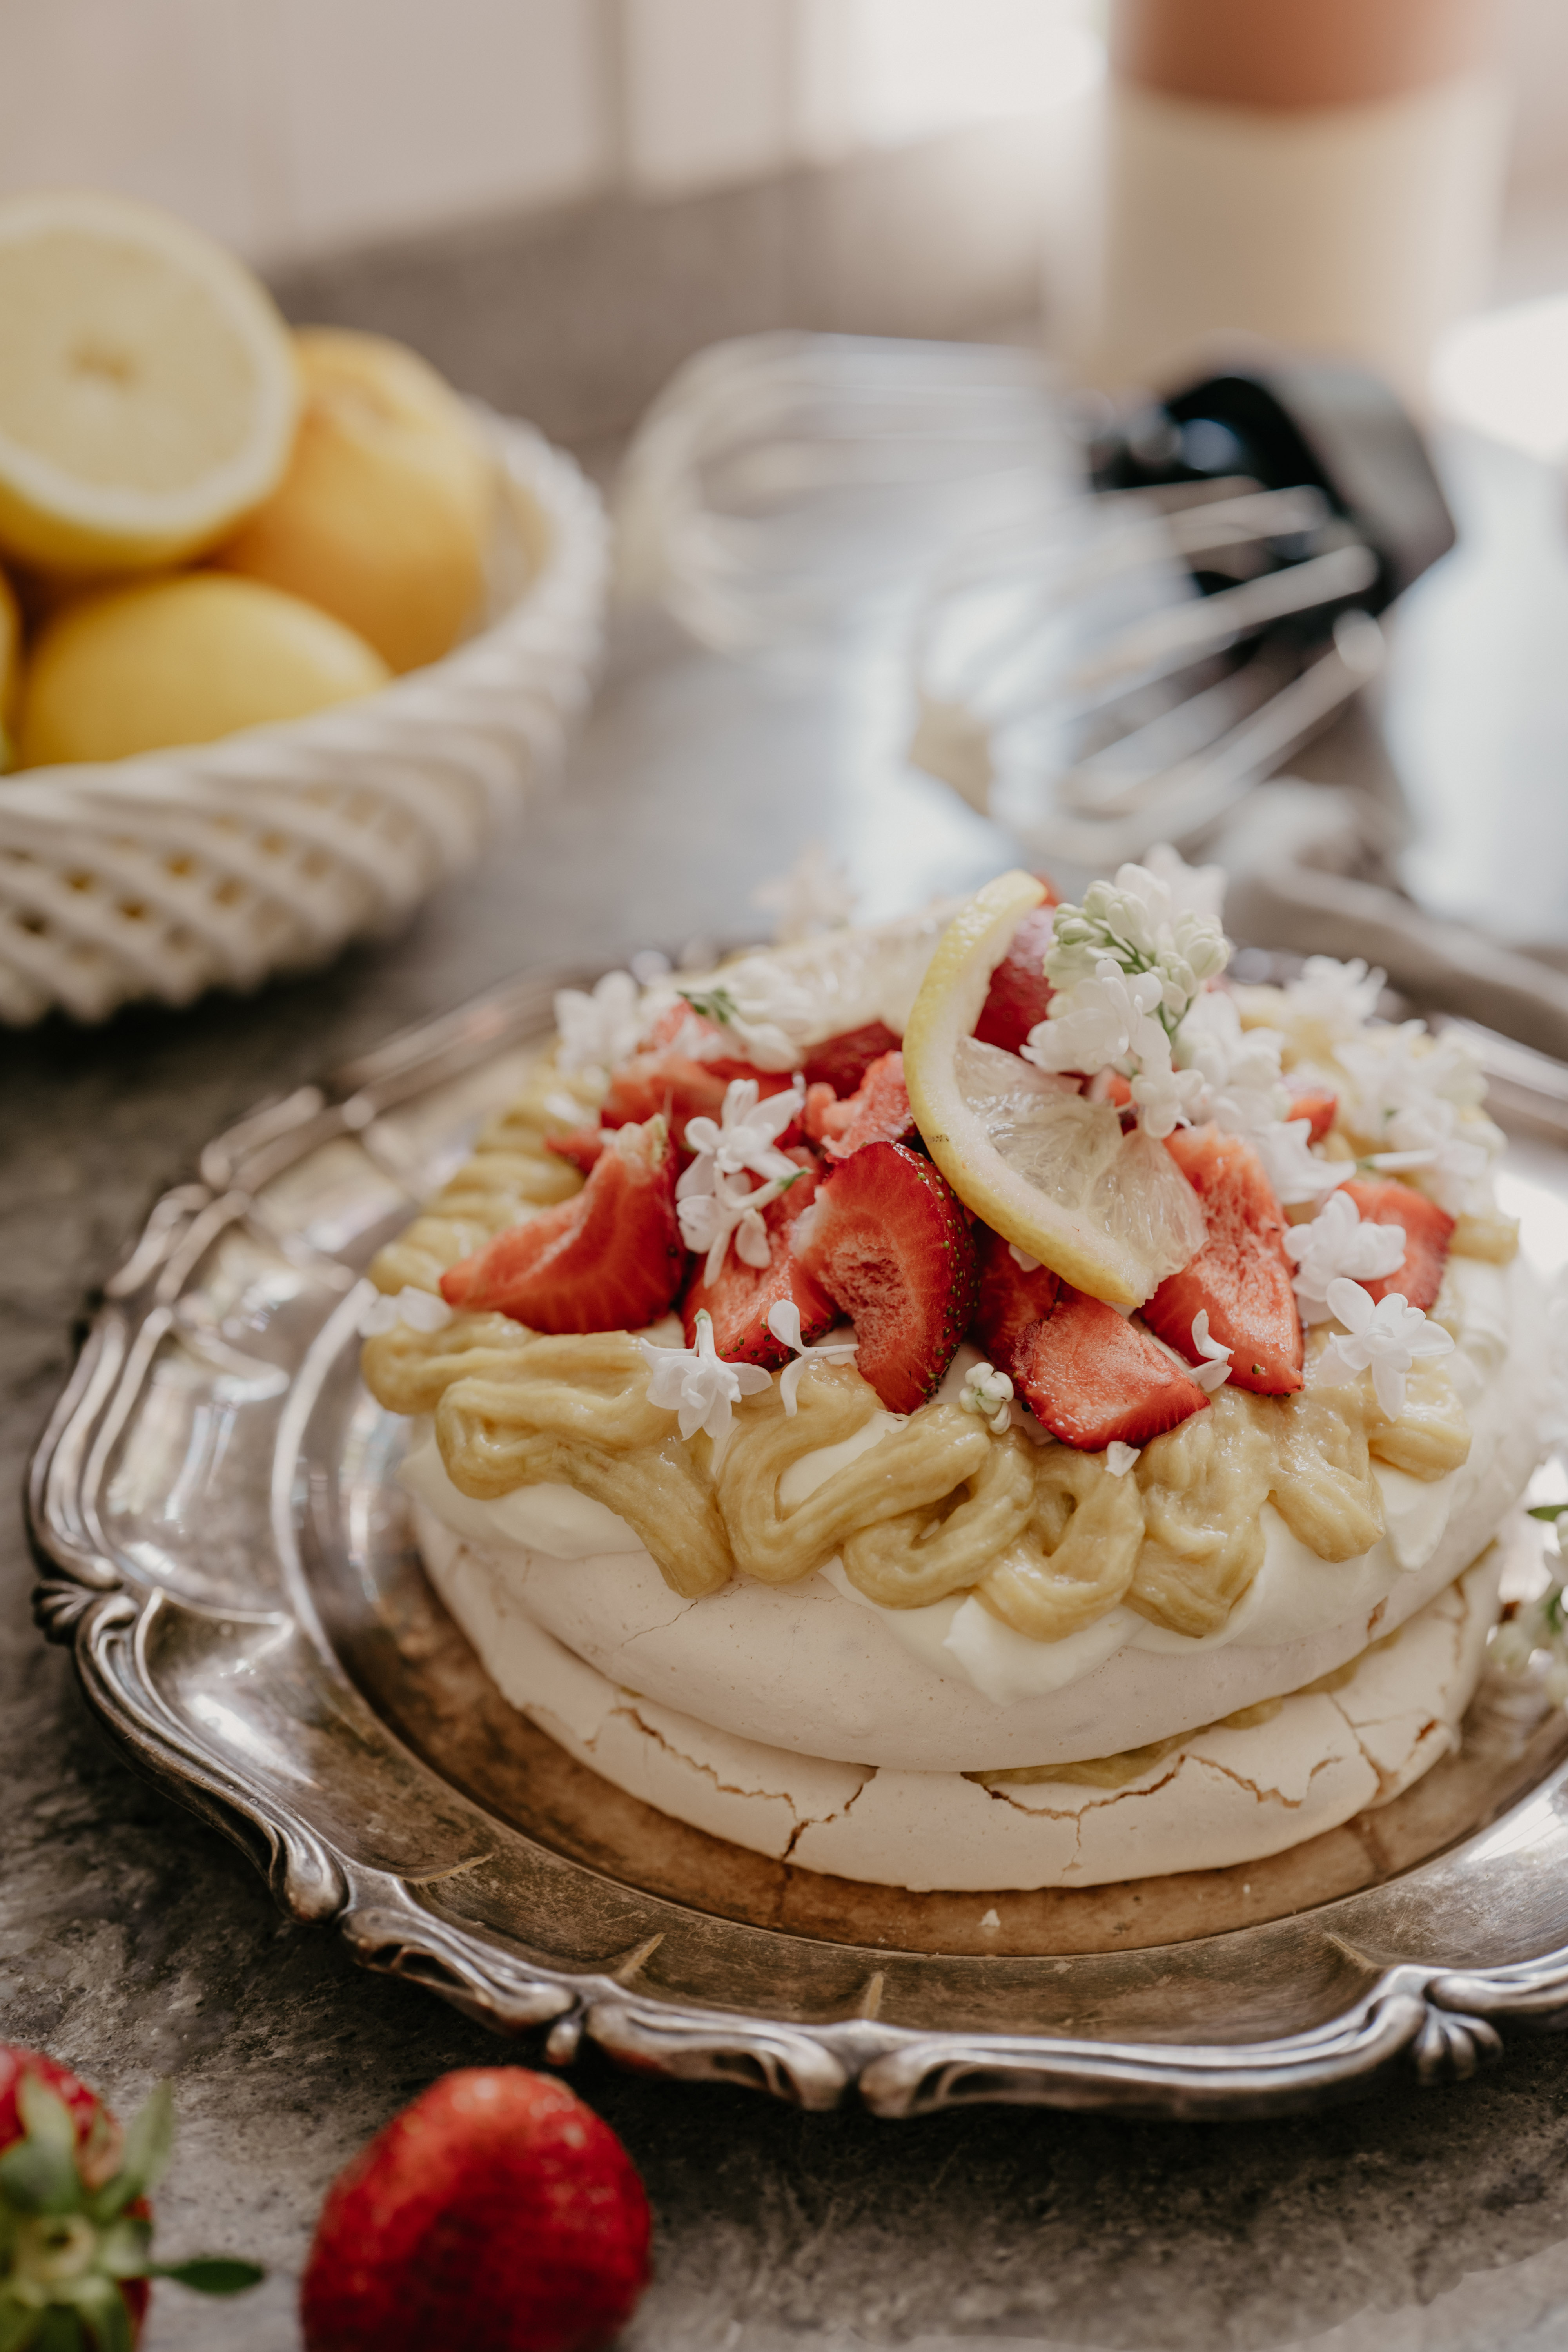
x,y
135,1942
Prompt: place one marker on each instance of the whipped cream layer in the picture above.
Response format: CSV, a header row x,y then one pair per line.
x,y
815,1668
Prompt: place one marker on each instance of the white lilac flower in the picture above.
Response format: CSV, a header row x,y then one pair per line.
x,y
1339,998
697,1383
418,1310
745,1135
708,1219
1120,1458
1243,1090
1541,1624
783,1322
1105,1022
599,1030
1191,889
989,1393
1293,1169
1426,1136
814,897
1391,1337
763,1011
1336,1243
1135,920
1215,1370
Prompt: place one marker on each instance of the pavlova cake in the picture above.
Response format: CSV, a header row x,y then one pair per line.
x,y
981,1402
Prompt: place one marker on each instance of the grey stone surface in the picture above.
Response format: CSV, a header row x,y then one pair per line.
x,y
135,1942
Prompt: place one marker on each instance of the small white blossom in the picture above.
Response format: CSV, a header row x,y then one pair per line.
x,y
1135,920
989,1393
1541,1624
814,897
600,1030
1191,889
1293,1169
1409,1091
1339,998
1242,1091
1390,1336
1336,1243
1120,1458
708,1219
1104,1021
1213,1372
745,1135
783,1322
697,1383
419,1310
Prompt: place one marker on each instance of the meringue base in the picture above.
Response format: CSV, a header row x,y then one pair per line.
x,y
1227,1795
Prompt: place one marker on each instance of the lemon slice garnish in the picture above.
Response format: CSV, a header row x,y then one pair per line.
x,y
1112,1214
148,390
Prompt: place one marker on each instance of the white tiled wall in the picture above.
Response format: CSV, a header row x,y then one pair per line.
x,y
289,127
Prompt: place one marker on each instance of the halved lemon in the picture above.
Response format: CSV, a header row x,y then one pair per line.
x,y
1112,1214
148,388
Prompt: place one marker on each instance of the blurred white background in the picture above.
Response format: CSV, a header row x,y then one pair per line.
x,y
293,128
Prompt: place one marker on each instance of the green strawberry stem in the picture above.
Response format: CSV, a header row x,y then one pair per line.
x,y
65,2247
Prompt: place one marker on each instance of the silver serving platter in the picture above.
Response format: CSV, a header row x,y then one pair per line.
x,y
225,1547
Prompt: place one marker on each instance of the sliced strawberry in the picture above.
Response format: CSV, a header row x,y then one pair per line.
x,y
820,1099
580,1144
1020,994
1241,1275
843,1061
609,1260
889,1242
744,1296
879,1112
1427,1232
1091,1377
679,1088
1317,1109
1007,1300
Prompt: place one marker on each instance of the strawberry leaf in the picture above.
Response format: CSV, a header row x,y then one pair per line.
x,y
38,2172
19,2323
148,2144
212,2273
99,2302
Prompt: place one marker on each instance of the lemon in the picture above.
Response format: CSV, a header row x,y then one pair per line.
x,y
148,393
1112,1214
183,661
10,663
384,513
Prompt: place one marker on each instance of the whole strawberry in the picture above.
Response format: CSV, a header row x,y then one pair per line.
x,y
497,2212
76,2228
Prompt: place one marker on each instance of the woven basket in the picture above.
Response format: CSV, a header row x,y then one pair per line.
x,y
166,873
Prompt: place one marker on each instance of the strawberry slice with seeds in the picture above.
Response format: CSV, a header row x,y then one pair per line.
x,y
610,1259
843,1061
1020,994
1091,1377
743,1296
1241,1275
1427,1232
888,1240
878,1112
1007,1300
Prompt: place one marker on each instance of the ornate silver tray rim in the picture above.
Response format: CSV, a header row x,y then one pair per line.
x,y
1432,1963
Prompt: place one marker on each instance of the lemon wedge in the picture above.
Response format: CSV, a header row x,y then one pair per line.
x,y
148,389
1053,1173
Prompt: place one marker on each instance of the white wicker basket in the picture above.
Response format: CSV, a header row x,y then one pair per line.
x,y
166,873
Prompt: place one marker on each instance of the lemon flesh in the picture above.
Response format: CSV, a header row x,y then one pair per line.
x,y
183,661
384,513
1112,1214
148,390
